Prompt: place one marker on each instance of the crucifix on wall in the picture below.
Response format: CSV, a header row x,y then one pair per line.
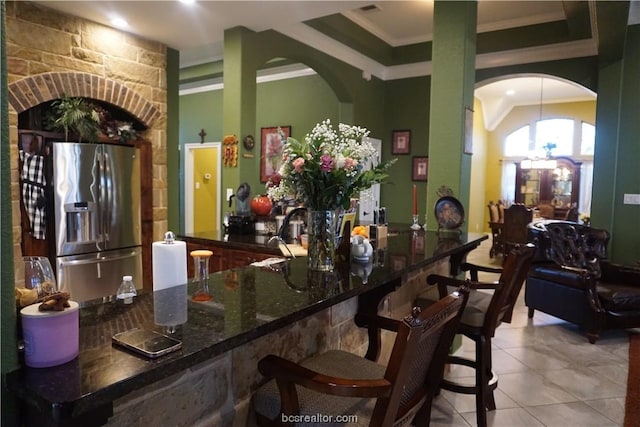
x,y
202,134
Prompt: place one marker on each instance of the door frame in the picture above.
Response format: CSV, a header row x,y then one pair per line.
x,y
188,182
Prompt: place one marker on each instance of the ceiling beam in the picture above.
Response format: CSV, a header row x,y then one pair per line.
x,y
611,29
578,18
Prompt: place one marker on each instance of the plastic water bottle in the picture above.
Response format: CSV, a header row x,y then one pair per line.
x,y
127,290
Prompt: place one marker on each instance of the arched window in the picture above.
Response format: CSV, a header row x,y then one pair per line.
x,y
588,141
517,142
557,133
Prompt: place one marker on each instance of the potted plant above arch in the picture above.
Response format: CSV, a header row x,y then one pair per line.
x,y
76,116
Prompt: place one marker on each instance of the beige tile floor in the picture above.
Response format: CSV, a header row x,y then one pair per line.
x,y
549,374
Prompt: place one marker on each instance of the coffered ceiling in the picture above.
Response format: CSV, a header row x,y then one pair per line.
x,y
197,29
367,33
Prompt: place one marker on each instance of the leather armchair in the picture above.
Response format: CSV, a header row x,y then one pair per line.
x,y
572,279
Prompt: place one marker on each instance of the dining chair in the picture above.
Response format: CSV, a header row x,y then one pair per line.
x,y
342,383
514,231
495,224
483,314
501,209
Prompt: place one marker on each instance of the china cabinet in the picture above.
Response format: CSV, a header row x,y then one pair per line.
x,y
558,187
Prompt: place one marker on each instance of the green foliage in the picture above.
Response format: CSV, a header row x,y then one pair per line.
x,y
76,116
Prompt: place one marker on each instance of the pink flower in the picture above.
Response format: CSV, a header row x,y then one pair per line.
x,y
298,163
326,163
349,163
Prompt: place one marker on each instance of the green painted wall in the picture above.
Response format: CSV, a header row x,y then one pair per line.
x,y
403,104
201,111
452,80
406,107
617,152
627,250
300,103
355,99
304,101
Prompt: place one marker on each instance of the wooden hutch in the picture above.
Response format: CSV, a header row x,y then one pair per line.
x,y
558,187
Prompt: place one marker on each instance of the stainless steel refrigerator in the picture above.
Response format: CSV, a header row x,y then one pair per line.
x,y
97,218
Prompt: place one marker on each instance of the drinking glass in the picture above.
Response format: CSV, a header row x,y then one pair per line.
x,y
38,275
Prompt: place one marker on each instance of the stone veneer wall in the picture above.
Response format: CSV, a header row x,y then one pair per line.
x,y
49,53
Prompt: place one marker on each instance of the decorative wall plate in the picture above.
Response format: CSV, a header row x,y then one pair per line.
x,y
449,212
249,142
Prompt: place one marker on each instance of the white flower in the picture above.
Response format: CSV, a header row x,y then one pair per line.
x,y
332,172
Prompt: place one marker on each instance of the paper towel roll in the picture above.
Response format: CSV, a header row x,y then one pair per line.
x,y
170,306
169,264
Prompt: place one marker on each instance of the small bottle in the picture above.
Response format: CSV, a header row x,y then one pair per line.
x,y
126,291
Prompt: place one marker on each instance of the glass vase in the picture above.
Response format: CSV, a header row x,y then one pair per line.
x,y
201,292
321,228
38,275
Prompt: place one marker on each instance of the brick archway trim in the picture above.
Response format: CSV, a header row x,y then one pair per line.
x,y
34,90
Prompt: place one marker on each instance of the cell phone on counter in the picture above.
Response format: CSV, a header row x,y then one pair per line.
x,y
147,343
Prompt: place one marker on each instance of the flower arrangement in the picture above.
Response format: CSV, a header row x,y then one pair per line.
x,y
548,147
327,169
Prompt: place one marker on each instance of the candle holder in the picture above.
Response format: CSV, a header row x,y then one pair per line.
x,y
415,225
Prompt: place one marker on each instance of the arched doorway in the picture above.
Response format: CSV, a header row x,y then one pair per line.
x,y
526,109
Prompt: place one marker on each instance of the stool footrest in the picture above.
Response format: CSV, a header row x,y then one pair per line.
x,y
466,389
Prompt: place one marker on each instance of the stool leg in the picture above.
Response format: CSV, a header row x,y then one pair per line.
x,y
482,383
490,402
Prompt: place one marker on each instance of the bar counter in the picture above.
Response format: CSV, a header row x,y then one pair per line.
x,y
248,303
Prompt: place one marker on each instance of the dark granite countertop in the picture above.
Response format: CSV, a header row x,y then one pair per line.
x,y
247,303
246,242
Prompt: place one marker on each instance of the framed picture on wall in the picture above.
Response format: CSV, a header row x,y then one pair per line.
x,y
468,131
401,142
419,168
271,150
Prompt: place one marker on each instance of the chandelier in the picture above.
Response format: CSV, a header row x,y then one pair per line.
x,y
546,162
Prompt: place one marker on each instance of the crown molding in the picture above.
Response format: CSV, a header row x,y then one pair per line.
x,y
369,67
369,26
269,75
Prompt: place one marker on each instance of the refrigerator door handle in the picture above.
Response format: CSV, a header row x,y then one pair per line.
x,y
94,260
102,202
108,187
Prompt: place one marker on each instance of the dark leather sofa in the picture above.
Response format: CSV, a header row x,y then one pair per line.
x,y
572,279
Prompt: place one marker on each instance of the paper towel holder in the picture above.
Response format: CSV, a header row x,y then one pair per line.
x,y
169,238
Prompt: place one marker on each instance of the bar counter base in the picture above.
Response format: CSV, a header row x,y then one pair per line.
x,y
255,312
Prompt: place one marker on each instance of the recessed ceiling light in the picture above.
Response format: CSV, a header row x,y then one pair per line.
x,y
119,22
511,92
187,1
